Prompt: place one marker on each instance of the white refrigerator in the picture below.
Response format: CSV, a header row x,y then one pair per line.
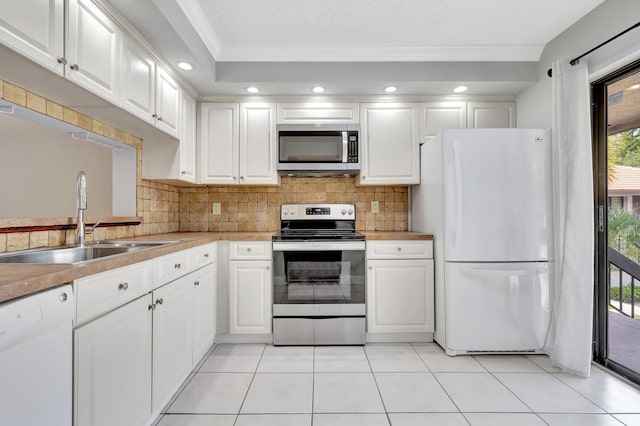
x,y
485,195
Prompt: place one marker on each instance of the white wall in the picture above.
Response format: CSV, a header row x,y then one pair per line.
x,y
605,21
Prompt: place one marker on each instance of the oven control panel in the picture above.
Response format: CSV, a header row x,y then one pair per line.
x,y
318,212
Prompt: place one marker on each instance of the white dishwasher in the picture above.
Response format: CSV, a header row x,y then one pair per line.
x,y
36,359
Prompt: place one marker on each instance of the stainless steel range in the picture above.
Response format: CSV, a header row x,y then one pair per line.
x,y
318,276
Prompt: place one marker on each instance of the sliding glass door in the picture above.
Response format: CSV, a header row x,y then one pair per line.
x,y
616,121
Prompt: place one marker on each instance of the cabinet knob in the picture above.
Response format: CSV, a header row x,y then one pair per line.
x,y
183,172
155,115
206,255
63,297
248,249
371,268
197,283
160,301
241,177
399,248
123,286
75,67
152,307
159,118
233,177
177,266
268,268
62,60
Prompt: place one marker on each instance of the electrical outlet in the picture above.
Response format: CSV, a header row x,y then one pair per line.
x,y
375,207
216,208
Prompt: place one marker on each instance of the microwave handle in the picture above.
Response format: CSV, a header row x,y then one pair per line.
x,y
345,146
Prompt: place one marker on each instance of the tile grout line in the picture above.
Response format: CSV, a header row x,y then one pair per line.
x,y
250,383
386,413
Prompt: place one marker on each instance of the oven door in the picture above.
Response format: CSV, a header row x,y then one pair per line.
x,y
318,278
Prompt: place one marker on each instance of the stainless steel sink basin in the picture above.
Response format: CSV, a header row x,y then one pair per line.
x,y
73,255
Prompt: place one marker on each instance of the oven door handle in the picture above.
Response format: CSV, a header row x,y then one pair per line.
x,y
319,246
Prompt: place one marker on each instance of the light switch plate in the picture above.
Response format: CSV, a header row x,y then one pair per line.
x,y
215,208
375,207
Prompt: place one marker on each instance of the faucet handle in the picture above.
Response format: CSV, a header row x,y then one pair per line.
x,y
90,229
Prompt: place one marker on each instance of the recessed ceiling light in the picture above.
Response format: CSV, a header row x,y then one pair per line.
x,y
318,89
185,66
634,87
253,89
460,89
390,89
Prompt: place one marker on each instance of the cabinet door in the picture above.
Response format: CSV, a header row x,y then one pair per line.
x,y
138,81
389,144
188,139
203,307
168,100
438,116
250,297
93,50
35,28
258,144
491,115
400,296
112,368
218,143
172,339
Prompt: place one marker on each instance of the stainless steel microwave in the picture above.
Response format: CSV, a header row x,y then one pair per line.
x,y
318,148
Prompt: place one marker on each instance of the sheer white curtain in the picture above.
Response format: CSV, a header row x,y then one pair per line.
x,y
570,332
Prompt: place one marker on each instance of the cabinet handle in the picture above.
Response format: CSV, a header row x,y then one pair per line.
x,y
183,172
75,67
62,60
177,266
152,307
160,301
123,286
206,255
197,283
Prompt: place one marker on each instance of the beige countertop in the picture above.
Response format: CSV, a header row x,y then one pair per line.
x,y
17,280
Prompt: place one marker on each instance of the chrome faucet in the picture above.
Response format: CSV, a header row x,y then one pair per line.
x,y
81,183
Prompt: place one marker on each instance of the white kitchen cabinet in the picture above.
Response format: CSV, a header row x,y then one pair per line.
x,y
172,338
35,29
236,144
250,287
203,309
400,287
138,94
218,143
438,116
168,102
318,112
258,149
389,144
93,49
112,368
187,160
491,115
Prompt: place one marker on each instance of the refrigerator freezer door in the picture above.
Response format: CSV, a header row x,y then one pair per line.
x,y
496,307
497,195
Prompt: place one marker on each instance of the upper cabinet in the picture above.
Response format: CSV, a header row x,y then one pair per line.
x,y
93,49
236,144
438,116
35,28
389,144
138,95
167,103
305,113
491,115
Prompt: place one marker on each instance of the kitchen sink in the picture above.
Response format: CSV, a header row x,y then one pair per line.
x,y
73,255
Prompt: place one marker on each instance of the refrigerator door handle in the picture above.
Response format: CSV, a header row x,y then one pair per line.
x,y
457,196
503,272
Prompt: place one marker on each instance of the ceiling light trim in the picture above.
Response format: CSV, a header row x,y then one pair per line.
x,y
382,54
201,25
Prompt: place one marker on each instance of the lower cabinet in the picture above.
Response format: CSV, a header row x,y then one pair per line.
x,y
250,297
400,287
112,368
129,360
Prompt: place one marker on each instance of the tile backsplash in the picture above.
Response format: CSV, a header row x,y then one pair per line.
x,y
258,208
166,208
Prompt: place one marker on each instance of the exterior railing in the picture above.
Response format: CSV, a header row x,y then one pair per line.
x,y
622,267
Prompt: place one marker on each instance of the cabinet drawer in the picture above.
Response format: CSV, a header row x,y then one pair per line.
x,y
421,249
250,250
203,255
168,268
103,292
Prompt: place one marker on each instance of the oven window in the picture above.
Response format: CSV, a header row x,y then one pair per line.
x,y
318,277
304,148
